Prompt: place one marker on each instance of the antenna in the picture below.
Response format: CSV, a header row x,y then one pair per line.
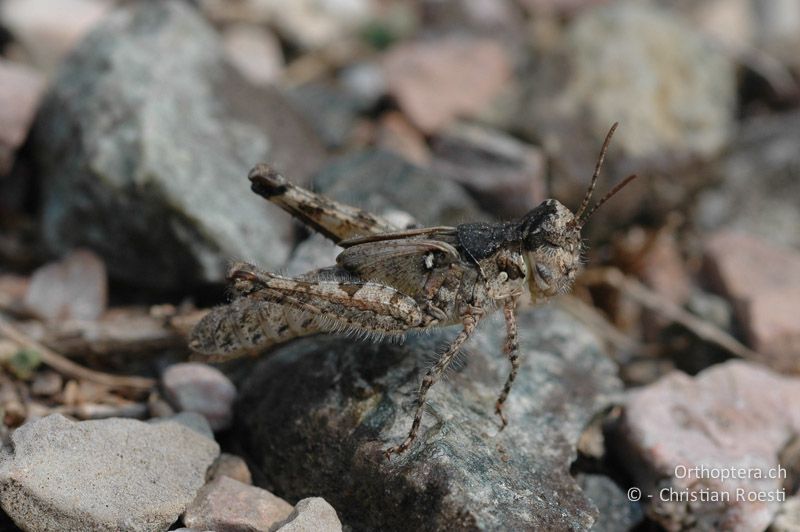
x,y
599,164
608,196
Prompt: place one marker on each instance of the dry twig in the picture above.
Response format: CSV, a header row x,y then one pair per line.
x,y
70,368
669,310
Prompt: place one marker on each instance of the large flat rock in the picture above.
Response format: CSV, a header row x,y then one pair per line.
x,y
111,474
316,415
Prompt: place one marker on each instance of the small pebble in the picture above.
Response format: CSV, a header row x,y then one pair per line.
x,y
194,387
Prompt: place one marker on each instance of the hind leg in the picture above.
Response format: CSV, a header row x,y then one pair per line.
x,y
332,219
433,375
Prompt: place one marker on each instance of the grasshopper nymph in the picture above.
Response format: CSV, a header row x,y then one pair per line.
x,y
390,282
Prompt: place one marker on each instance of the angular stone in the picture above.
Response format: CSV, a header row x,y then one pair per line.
x,y
102,475
314,252
616,510
73,288
380,181
788,517
680,434
255,52
49,29
763,283
506,175
397,135
757,189
145,143
312,515
199,388
671,90
331,111
230,465
428,78
227,505
20,90
317,414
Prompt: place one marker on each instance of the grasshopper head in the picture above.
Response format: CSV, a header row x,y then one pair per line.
x,y
551,237
551,241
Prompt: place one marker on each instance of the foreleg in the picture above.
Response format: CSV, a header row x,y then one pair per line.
x,y
332,219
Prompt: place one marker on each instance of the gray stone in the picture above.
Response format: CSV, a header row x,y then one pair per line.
x,y
312,515
379,182
758,186
616,510
227,505
317,414
111,474
671,90
145,142
331,111
314,252
788,517
506,175
199,388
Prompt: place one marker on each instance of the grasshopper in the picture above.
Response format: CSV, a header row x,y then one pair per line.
x,y
389,281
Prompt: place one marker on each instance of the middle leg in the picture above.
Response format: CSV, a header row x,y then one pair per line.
x,y
511,349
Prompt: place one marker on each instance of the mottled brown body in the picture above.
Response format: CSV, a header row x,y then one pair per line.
x,y
391,282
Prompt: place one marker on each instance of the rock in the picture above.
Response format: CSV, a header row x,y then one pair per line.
x,y
379,181
788,517
47,384
763,283
332,112
678,436
312,253
73,288
428,78
49,29
671,90
365,81
498,18
145,142
232,466
227,505
195,387
317,414
617,511
778,26
757,191
312,515
656,258
20,90
396,135
309,24
102,475
255,52
504,174
190,420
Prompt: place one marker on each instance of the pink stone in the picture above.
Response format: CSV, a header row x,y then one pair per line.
x,y
437,81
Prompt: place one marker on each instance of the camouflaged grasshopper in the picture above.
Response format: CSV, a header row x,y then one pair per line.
x,y
391,282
